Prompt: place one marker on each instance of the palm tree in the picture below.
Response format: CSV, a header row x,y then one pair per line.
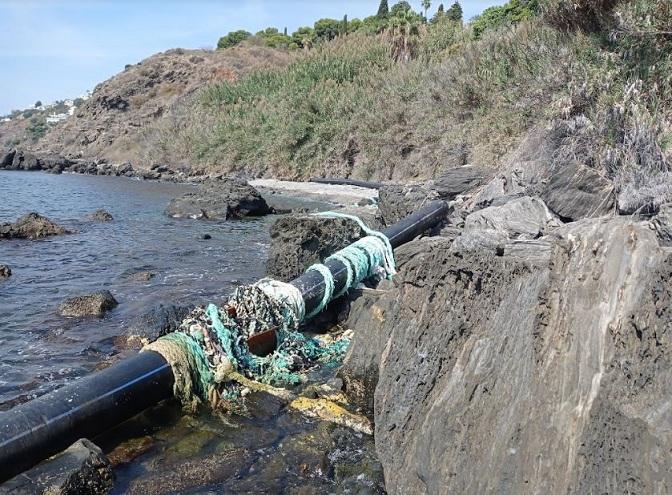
x,y
426,4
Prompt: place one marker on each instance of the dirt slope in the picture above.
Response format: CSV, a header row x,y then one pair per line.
x,y
124,112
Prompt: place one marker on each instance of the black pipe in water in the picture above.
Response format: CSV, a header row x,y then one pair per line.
x,y
31,432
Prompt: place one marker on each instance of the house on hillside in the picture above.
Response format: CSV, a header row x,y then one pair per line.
x,y
55,118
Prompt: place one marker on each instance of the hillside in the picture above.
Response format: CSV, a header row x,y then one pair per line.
x,y
114,124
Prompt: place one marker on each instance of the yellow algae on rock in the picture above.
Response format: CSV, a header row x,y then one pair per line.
x,y
329,411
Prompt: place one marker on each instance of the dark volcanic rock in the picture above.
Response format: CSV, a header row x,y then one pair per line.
x,y
7,158
577,191
5,271
101,216
662,224
82,469
31,226
299,241
24,160
544,370
157,322
221,199
96,304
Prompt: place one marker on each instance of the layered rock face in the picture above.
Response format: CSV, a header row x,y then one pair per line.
x,y
544,369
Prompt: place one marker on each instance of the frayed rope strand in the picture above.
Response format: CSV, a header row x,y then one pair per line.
x,y
209,354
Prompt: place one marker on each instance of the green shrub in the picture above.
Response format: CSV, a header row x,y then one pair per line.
x,y
509,14
232,39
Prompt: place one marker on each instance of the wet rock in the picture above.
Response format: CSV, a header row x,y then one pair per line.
x,y
96,304
23,160
142,276
182,476
577,191
523,218
529,374
5,271
82,469
300,241
219,199
159,321
7,158
101,216
206,237
31,226
130,450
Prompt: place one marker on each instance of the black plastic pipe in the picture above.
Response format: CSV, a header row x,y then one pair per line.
x,y
31,432
348,182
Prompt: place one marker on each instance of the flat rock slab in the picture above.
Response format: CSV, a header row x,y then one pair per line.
x,y
31,226
219,200
96,304
82,469
576,191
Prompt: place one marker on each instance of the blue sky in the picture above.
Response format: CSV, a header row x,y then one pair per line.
x,y
55,49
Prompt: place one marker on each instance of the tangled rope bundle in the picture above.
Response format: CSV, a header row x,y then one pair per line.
x,y
209,352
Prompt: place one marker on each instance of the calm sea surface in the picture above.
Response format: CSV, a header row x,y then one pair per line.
x,y
39,349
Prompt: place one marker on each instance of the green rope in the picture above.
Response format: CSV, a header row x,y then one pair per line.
x,y
212,341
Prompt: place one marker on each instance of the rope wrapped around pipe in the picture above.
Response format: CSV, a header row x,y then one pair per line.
x,y
209,349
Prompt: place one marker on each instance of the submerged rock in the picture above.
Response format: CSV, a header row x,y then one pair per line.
x,y
31,226
82,469
544,370
96,304
221,200
5,271
101,216
299,241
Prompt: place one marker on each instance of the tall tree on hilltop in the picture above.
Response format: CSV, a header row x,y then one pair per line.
x,y
400,7
383,9
426,4
454,13
439,15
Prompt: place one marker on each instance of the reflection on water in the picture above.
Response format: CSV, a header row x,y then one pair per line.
x,y
40,350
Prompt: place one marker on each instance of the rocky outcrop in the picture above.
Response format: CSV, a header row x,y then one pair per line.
x,y
522,218
116,123
575,191
96,304
82,469
101,216
219,200
544,369
5,272
31,226
399,201
300,241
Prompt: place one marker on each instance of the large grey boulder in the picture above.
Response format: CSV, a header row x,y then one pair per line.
x,y
526,372
298,241
456,181
24,160
221,200
82,469
522,218
31,226
662,224
576,191
96,304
